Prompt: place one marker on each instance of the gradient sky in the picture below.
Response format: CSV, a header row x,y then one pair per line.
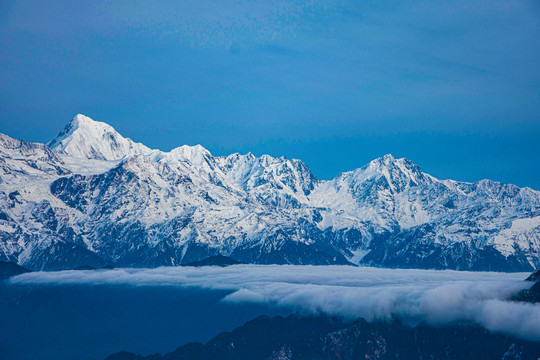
x,y
452,85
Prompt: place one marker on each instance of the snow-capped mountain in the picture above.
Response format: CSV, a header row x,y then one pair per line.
x,y
85,138
93,197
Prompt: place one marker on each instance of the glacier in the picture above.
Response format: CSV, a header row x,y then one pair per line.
x,y
93,197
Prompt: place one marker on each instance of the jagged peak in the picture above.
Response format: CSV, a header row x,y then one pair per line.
x,y
389,164
264,161
398,173
196,154
191,149
89,139
79,122
9,142
387,160
17,147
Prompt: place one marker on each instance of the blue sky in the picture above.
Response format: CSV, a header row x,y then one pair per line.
x,y
452,85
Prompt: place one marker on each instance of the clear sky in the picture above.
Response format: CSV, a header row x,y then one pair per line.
x,y
452,85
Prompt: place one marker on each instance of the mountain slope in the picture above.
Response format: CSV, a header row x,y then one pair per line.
x,y
89,139
96,197
8,269
303,338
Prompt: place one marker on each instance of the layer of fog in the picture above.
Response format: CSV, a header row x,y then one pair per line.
x,y
436,297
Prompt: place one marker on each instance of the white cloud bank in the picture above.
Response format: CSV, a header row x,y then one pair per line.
x,y
436,297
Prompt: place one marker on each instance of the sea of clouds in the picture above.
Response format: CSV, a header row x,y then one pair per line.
x,y
433,296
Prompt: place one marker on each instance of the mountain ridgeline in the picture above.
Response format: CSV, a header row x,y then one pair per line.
x,y
307,338
92,197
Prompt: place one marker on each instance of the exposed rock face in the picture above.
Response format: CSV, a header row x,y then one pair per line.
x,y
535,276
95,198
532,294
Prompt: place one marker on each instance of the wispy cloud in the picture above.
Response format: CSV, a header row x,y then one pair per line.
x,y
436,297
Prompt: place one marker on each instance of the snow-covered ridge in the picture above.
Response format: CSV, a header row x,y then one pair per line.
x,y
100,145
98,197
88,139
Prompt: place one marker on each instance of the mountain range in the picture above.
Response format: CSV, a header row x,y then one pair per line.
x,y
91,197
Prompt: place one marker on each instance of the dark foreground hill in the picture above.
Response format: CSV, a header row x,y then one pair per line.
x,y
321,337
309,338
218,260
533,293
9,269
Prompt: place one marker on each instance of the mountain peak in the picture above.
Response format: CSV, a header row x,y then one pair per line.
x,y
80,122
397,173
197,155
83,119
389,162
89,139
